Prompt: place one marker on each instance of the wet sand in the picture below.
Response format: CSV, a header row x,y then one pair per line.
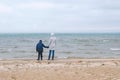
x,y
61,69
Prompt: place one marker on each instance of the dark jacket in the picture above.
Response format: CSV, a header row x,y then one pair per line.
x,y
39,46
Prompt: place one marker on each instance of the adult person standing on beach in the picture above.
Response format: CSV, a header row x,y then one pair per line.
x,y
52,44
39,49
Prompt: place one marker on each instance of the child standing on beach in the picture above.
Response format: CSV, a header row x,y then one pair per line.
x,y
39,49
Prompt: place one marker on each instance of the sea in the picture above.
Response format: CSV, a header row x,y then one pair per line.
x,y
69,45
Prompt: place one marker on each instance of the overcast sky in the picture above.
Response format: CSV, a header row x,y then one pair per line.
x,y
59,16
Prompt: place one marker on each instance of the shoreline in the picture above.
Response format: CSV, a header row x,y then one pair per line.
x,y
57,59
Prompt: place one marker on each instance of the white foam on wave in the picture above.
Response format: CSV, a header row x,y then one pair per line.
x,y
115,49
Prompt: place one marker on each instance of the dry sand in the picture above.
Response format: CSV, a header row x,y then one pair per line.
x,y
63,69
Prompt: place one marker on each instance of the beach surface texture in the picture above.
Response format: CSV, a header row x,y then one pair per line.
x,y
61,69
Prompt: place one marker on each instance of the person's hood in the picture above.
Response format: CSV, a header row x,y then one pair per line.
x,y
40,41
52,34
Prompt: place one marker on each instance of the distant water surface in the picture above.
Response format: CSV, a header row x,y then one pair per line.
x,y
75,45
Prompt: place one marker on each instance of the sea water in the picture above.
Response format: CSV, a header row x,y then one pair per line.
x,y
69,45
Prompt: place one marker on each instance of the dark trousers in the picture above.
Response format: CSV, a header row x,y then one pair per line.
x,y
40,55
51,52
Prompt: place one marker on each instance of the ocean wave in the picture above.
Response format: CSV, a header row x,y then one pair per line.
x,y
115,49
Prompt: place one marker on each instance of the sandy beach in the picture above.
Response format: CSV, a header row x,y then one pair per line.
x,y
61,69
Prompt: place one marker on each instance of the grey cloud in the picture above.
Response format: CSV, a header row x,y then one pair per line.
x,y
73,15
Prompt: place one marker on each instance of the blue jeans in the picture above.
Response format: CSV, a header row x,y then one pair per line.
x,y
51,52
